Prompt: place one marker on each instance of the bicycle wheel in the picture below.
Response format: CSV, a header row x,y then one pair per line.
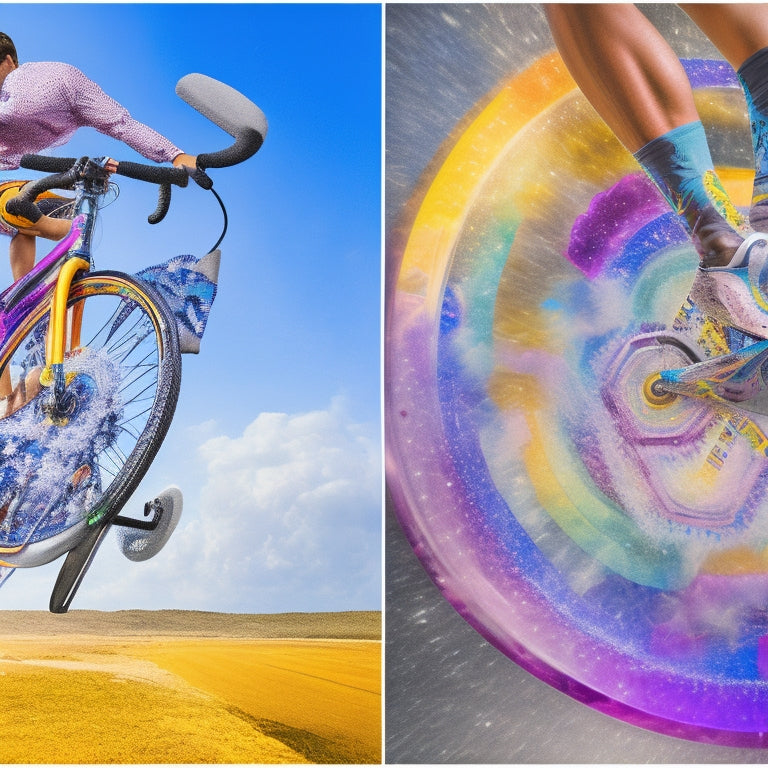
x,y
124,371
613,544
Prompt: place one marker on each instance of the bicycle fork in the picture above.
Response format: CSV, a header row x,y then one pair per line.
x,y
58,404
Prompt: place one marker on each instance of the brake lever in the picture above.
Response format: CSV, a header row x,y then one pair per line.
x,y
199,176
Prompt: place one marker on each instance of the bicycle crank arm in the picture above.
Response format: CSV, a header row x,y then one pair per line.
x,y
734,378
142,525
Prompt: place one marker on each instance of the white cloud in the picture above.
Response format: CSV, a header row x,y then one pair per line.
x,y
290,514
284,517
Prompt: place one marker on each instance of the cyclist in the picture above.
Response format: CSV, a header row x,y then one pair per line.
x,y
41,105
634,80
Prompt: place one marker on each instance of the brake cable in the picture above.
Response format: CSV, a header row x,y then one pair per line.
x,y
224,214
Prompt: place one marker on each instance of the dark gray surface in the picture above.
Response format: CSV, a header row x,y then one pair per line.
x,y
450,696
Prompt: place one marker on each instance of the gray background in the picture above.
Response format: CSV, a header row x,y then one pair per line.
x,y
450,696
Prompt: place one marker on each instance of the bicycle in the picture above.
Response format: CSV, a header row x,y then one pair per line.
x,y
100,354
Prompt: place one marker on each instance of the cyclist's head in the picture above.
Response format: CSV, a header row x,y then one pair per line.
x,y
7,48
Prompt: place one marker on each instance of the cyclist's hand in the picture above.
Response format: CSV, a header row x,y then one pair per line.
x,y
111,165
184,159
198,175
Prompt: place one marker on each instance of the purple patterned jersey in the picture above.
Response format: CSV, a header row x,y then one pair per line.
x,y
43,103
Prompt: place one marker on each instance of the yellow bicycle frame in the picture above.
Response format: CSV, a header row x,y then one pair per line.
x,y
55,343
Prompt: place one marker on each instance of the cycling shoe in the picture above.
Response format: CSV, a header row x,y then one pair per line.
x,y
737,295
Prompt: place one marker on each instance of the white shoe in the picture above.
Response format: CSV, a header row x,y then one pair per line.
x,y
737,295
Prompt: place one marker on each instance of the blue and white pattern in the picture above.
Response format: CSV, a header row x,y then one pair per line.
x,y
188,284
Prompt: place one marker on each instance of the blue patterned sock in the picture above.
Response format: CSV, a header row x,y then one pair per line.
x,y
753,74
680,164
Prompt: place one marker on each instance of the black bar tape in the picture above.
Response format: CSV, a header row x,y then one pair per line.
x,y
25,209
23,204
156,174
47,164
163,204
247,143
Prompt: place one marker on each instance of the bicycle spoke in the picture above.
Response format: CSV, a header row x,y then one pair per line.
x,y
136,416
144,370
140,393
127,338
123,360
127,332
114,456
92,341
128,429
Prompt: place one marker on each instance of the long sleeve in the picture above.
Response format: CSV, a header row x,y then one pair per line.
x,y
43,103
94,108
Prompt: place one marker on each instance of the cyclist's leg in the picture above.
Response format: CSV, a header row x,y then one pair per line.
x,y
740,33
21,253
631,76
23,231
22,256
737,29
22,248
624,68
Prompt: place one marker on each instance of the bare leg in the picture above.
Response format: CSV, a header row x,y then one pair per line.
x,y
5,384
22,254
624,68
22,257
22,249
632,77
737,29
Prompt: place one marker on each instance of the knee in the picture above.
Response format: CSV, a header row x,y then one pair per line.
x,y
51,229
22,240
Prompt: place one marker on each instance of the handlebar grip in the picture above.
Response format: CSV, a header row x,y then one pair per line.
x,y
23,209
46,163
156,174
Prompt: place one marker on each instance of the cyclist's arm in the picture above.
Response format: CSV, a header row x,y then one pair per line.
x,y
92,107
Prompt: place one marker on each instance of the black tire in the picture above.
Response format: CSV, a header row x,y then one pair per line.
x,y
137,322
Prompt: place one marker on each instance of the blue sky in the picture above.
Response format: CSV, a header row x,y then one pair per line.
x,y
276,440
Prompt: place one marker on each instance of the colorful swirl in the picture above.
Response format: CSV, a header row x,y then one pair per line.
x,y
615,547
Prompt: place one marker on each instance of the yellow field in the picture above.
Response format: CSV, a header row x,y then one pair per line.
x,y
72,698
